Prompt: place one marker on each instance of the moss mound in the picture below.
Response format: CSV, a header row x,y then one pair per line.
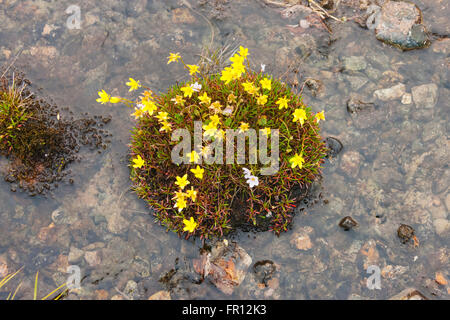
x,y
197,189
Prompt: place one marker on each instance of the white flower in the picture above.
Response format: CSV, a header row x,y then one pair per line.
x,y
252,181
247,173
227,111
196,87
263,67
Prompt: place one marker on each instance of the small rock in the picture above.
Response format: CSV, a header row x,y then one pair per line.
x,y
354,63
391,272
160,295
355,105
350,163
392,93
409,294
182,15
301,239
131,289
75,255
264,271
315,86
92,258
400,24
225,266
441,226
405,232
3,267
273,283
407,98
425,96
334,146
101,294
348,223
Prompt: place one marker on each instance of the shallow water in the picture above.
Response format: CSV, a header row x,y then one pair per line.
x,y
393,168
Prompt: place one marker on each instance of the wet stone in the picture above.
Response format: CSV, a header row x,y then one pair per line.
x,y
354,63
264,271
334,146
425,96
405,233
392,93
160,295
355,105
225,266
409,294
350,163
400,24
348,223
315,86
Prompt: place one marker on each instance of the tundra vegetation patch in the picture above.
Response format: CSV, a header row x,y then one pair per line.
x,y
38,142
201,156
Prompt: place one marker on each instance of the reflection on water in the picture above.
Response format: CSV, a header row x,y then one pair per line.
x,y
393,168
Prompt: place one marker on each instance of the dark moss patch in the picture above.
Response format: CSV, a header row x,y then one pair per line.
x,y
38,142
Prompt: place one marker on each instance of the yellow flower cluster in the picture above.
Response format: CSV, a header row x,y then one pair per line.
x,y
237,67
181,197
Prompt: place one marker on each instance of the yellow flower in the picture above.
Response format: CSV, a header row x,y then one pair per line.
x,y
188,91
181,204
138,162
244,126
282,103
297,160
216,106
198,172
237,59
204,98
162,116
115,99
231,98
104,97
266,131
182,182
190,225
243,52
253,90
179,195
192,194
193,156
320,116
137,113
178,100
166,126
173,57
192,69
215,120
227,75
247,85
266,84
299,115
133,84
262,99
149,106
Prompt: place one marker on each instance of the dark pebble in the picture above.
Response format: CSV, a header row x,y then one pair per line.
x,y
334,146
348,223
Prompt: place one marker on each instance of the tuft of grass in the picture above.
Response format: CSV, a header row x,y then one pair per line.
x,y
12,295
224,199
